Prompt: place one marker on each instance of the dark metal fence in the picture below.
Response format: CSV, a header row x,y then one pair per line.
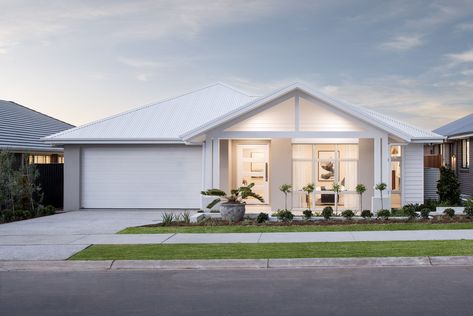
x,y
51,179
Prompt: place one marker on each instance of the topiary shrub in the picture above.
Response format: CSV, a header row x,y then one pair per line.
x,y
262,217
450,212
468,211
348,214
284,215
410,211
384,214
327,212
308,214
366,214
425,212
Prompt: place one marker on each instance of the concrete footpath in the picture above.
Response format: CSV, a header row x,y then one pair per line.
x,y
62,246
116,265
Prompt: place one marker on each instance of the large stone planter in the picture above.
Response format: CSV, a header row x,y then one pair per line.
x,y
233,212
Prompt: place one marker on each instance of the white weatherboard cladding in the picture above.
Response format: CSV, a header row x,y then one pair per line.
x,y
280,117
413,174
318,117
163,176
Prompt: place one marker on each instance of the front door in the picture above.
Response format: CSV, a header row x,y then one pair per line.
x,y
253,167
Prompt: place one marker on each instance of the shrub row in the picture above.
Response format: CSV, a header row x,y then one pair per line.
x,y
7,216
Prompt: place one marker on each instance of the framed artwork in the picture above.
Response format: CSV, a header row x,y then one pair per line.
x,y
326,169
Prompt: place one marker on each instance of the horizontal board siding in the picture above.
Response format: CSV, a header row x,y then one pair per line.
x,y
142,177
465,176
431,176
413,174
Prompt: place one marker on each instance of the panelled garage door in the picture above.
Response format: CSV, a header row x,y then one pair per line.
x,y
164,176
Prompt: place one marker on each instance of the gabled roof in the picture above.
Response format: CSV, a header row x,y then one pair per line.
x,y
158,122
22,128
462,126
403,130
181,118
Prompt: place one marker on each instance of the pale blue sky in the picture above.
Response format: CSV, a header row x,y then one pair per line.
x,y
83,60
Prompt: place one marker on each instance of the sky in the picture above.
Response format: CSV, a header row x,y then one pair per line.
x,y
80,61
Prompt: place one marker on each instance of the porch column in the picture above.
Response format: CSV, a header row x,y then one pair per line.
x,y
207,164
215,163
381,172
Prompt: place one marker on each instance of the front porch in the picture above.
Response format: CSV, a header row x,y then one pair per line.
x,y
299,138
269,163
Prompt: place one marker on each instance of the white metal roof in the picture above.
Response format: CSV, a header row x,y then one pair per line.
x,y
401,129
163,121
191,114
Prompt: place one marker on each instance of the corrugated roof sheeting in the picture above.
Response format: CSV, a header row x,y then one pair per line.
x,y
163,120
195,111
22,128
461,126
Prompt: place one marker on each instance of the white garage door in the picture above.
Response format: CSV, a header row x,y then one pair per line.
x,y
164,176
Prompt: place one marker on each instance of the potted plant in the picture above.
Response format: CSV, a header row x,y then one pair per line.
x,y
336,188
308,189
233,207
285,188
360,189
381,187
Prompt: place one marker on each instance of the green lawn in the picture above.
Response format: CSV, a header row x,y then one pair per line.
x,y
278,250
294,228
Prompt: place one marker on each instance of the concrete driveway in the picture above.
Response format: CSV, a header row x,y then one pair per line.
x,y
59,236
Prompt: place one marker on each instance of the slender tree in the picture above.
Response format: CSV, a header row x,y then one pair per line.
x,y
360,189
381,187
336,189
285,188
308,189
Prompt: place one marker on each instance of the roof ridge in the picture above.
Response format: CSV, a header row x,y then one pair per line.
x,y
33,110
138,108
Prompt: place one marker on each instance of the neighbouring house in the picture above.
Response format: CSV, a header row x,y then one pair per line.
x,y
456,151
20,131
163,154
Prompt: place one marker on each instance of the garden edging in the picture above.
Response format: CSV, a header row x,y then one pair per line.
x,y
116,265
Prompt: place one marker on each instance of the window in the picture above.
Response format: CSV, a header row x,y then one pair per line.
x,y
324,165
396,154
465,153
45,159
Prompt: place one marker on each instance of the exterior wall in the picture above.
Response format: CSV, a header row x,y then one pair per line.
x,y
280,171
72,164
412,186
465,176
365,169
431,176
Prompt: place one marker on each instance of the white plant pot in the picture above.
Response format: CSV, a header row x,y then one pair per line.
x,y
439,210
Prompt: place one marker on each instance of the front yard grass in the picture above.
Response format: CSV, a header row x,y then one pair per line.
x,y
293,228
277,250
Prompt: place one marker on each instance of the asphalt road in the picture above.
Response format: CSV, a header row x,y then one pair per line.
x,y
361,291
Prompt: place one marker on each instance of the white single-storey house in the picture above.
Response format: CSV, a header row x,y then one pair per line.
x,y
162,155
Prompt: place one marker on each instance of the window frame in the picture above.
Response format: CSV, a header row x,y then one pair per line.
x,y
465,153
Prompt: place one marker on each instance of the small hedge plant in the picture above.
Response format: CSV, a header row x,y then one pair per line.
x,y
348,214
468,211
262,217
366,214
384,214
284,215
450,212
425,212
327,212
410,212
308,214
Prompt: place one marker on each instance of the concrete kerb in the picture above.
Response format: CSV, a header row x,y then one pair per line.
x,y
117,265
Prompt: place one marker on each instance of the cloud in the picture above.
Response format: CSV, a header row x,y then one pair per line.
x,y
464,27
464,57
402,43
144,77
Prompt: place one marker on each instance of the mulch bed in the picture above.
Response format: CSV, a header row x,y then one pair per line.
x,y
337,222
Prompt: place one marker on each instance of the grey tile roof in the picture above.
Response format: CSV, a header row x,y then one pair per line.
x,y
21,128
459,127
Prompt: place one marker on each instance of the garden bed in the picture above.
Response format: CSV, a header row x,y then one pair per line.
x,y
339,224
